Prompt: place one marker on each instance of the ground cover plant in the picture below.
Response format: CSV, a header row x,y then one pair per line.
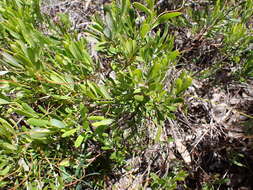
x,y
135,99
62,117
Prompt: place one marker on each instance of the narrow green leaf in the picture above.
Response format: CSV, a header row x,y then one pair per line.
x,y
103,91
151,4
5,171
57,79
39,133
79,141
61,97
7,146
70,82
128,46
25,113
142,8
83,110
173,55
28,108
38,122
11,60
158,133
179,84
69,133
103,122
139,98
125,6
92,87
172,108
6,128
145,28
216,9
109,21
155,71
3,101
94,118
57,123
73,47
187,83
167,16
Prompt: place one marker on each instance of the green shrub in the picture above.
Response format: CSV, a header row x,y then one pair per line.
x,y
167,182
222,26
62,111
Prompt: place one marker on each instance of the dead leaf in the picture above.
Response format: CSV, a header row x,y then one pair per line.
x,y
181,148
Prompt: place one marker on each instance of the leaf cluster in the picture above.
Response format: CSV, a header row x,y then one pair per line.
x,y
63,112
